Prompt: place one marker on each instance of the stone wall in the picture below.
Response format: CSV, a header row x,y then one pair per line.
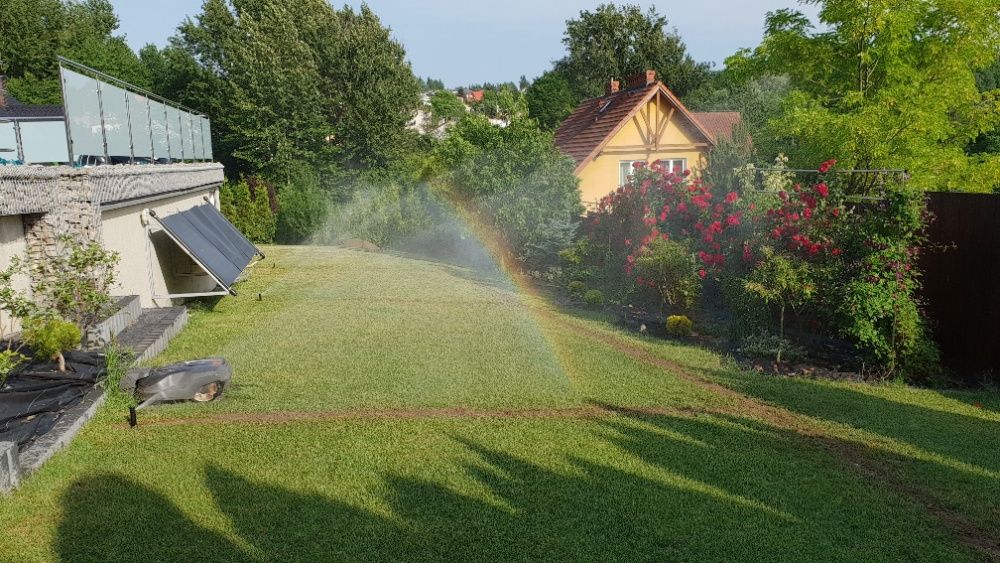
x,y
52,201
40,189
57,200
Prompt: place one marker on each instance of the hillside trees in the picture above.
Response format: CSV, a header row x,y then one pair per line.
x,y
886,83
619,41
34,32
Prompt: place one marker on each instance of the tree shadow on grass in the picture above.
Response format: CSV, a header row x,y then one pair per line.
x,y
963,437
664,488
108,517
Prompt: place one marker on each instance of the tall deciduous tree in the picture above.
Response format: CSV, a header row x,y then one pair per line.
x,y
616,42
550,99
887,83
988,80
34,32
759,101
293,81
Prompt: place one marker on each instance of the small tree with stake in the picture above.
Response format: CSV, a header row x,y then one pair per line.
x,y
50,338
781,280
69,292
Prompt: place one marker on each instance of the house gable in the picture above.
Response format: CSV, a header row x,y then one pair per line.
x,y
595,122
646,122
656,128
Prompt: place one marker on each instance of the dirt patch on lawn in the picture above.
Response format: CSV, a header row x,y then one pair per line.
x,y
985,542
583,412
858,456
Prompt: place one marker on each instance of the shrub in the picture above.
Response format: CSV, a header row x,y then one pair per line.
x,y
9,359
670,268
576,288
49,338
385,213
516,181
303,209
768,346
679,326
594,298
73,282
781,280
846,245
250,205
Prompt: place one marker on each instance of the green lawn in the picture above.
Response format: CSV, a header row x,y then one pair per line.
x,y
394,409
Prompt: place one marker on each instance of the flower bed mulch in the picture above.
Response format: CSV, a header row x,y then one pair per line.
x,y
35,396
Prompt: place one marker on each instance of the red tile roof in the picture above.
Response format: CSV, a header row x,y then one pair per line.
x,y
595,121
718,123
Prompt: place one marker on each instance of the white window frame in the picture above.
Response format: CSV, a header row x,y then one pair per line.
x,y
625,168
668,164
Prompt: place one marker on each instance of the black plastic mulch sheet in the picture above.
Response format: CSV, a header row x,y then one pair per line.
x,y
33,398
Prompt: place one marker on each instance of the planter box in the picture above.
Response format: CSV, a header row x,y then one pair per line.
x,y
127,312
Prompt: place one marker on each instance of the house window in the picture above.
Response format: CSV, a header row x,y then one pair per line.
x,y
625,170
675,165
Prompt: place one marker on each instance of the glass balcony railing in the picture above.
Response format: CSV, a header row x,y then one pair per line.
x,y
107,121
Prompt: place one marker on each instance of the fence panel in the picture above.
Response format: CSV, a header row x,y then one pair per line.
x,y
44,142
115,117
8,141
962,281
83,110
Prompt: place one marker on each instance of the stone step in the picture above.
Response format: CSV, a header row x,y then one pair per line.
x,y
129,308
153,330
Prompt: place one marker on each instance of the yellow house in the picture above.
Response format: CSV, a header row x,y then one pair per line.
x,y
645,122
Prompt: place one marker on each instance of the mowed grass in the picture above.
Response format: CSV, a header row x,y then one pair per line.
x,y
438,414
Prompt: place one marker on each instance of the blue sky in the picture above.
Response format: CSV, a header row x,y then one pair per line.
x,y
465,41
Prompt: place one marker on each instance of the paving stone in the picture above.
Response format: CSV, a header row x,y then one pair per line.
x,y
10,467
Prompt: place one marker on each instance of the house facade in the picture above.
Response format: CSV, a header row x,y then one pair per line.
x,y
124,168
642,122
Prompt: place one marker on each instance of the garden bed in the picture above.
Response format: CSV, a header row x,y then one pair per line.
x,y
35,396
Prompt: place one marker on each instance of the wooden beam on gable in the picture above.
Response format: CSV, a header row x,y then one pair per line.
x,y
662,128
649,130
632,149
642,133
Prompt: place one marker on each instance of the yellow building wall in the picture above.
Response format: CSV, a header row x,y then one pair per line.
x,y
601,175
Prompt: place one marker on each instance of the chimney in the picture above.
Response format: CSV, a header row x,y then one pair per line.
x,y
641,80
612,87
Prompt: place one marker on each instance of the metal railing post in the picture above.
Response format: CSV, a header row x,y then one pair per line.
x,y
204,146
128,116
166,132
152,145
100,110
18,141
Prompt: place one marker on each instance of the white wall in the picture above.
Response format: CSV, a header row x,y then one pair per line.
x,y
152,264
11,244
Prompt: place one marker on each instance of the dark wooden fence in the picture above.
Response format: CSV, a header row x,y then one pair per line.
x,y
962,282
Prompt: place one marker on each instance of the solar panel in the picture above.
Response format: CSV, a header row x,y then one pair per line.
x,y
212,241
